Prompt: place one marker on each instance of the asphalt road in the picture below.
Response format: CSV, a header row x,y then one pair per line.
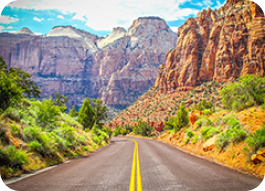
x,y
161,167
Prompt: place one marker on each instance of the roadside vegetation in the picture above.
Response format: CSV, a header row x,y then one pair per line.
x,y
231,132
35,134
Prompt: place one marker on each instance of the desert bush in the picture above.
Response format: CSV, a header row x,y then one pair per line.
x,y
15,130
233,133
142,128
207,112
248,91
12,113
205,121
189,133
12,157
257,140
47,114
208,132
179,121
195,138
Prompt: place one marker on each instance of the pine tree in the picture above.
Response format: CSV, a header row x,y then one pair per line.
x,y
182,118
73,112
86,115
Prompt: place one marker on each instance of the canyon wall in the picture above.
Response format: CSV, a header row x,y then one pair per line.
x,y
116,69
217,45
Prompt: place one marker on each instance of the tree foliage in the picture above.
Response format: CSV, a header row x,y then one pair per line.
x,y
100,111
179,121
73,112
15,84
142,128
60,101
248,91
86,115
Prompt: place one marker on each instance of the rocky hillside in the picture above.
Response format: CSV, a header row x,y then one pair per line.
x,y
216,45
116,69
212,49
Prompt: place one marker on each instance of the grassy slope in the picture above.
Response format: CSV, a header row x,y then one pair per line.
x,y
155,106
26,147
236,155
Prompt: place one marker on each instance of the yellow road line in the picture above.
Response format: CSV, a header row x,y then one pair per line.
x,y
139,179
132,183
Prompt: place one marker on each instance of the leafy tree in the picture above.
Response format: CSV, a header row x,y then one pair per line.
x,y
47,114
248,91
10,92
23,80
73,112
143,128
60,101
86,115
15,83
100,111
182,118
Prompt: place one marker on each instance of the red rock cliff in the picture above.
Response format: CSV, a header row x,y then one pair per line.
x,y
216,45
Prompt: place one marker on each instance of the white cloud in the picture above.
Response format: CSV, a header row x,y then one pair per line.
x,y
49,19
174,29
7,19
38,33
3,28
60,17
106,14
38,19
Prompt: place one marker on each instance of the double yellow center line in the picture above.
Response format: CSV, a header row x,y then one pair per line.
x,y
135,160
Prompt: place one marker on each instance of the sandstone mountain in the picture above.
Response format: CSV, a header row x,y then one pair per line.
x,y
212,49
216,45
116,69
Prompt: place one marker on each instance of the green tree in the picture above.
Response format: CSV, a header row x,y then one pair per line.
x,y
10,92
143,128
47,114
248,91
182,118
86,115
73,112
23,80
60,101
100,112
15,83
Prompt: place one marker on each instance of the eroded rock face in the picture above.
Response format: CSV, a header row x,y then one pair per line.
x,y
116,69
216,45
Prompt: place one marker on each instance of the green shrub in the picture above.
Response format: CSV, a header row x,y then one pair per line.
x,y
143,128
35,146
179,121
233,133
47,114
12,113
12,157
207,112
195,138
208,132
248,91
257,140
31,133
189,133
15,130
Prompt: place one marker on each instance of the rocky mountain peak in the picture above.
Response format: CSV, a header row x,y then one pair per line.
x,y
217,45
25,30
68,31
115,34
145,26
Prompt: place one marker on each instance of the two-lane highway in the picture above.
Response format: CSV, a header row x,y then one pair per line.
x,y
134,165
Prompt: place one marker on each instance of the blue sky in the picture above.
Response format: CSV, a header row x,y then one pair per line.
x,y
96,16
